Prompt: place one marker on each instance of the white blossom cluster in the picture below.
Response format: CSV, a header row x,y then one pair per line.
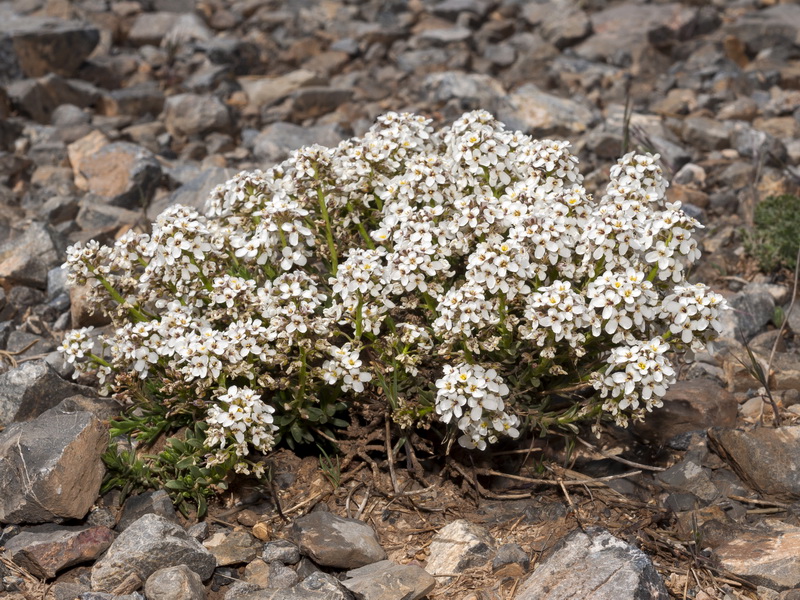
x,y
414,256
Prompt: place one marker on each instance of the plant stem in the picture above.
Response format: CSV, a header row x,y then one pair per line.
x,y
328,231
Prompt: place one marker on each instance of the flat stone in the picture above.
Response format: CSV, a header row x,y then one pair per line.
x,y
175,583
263,91
50,468
136,100
194,193
387,580
147,503
233,547
27,259
317,586
594,565
147,545
149,28
333,541
768,459
43,45
706,134
278,140
194,114
688,406
458,546
768,557
122,174
31,388
313,102
45,552
751,311
282,551
541,114
470,89
509,554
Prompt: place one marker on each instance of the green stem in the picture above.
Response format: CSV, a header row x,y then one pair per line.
x,y
328,231
359,316
99,361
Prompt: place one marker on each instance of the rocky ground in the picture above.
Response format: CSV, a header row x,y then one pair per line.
x,y
112,110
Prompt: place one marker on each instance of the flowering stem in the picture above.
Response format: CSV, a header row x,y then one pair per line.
x,y
99,360
359,316
200,276
117,297
328,232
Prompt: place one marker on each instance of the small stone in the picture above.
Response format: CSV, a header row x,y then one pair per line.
x,y
594,565
27,259
175,583
257,572
706,134
333,541
458,546
387,580
282,551
542,114
281,577
199,531
751,312
193,114
30,389
194,192
511,554
150,28
262,531
146,503
147,545
50,468
135,100
313,102
276,141
45,552
765,458
264,91
232,548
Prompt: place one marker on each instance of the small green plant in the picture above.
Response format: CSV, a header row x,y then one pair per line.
x,y
775,238
331,467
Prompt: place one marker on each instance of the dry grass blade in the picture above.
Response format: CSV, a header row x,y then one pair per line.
x,y
619,459
559,482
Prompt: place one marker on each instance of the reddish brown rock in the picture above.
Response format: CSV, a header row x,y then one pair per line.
x,y
46,551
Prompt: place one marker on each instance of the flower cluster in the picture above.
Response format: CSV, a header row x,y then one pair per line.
x,y
434,269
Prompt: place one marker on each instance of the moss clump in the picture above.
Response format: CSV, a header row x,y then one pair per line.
x,y
775,239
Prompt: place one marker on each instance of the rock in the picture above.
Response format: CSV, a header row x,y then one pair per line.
x,y
46,550
508,554
193,193
705,134
50,468
689,406
594,565
764,458
751,311
30,389
42,45
442,36
276,141
562,23
146,503
175,583
149,28
458,546
688,476
233,548
333,541
135,100
281,577
282,551
257,572
541,114
193,114
386,580
120,173
452,9
264,91
27,259
472,91
313,102
186,29
147,545
771,27
769,556
785,374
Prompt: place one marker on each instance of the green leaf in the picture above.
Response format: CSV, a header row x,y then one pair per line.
x,y
175,485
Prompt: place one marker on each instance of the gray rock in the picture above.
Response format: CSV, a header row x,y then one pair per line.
x,y
194,193
147,545
773,26
765,458
146,503
458,546
758,145
281,577
30,389
278,140
174,583
562,23
751,311
333,541
46,550
27,259
387,580
149,28
472,90
193,114
689,406
451,9
688,476
594,565
233,547
186,29
508,554
317,586
264,91
282,551
36,46
135,100
706,134
442,36
50,468
542,114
